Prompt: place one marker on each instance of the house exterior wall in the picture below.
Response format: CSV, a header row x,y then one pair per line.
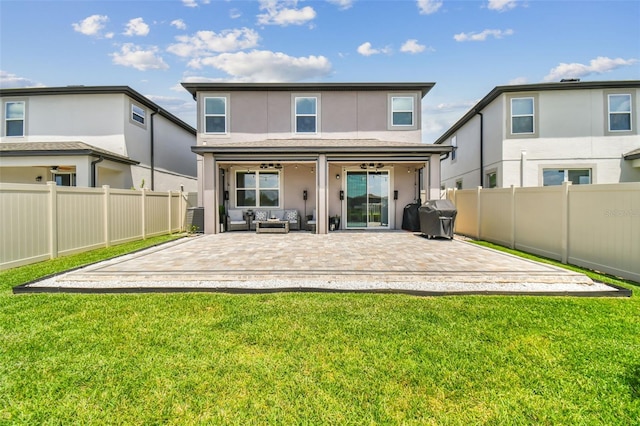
x,y
103,120
260,115
570,133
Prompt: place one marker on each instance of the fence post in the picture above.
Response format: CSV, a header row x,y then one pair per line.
x,y
513,217
181,210
478,211
143,200
106,214
53,220
565,221
169,215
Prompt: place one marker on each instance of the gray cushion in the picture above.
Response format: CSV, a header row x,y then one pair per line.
x,y
235,215
261,215
291,215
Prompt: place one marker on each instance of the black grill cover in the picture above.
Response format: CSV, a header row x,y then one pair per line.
x,y
410,218
437,218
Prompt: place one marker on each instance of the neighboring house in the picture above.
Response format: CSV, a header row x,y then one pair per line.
x,y
93,136
347,149
544,134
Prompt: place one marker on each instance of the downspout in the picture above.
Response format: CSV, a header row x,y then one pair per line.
x,y
481,148
152,151
93,170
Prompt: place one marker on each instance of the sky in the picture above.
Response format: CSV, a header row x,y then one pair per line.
x,y
465,47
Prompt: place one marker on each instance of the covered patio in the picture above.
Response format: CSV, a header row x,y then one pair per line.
x,y
365,183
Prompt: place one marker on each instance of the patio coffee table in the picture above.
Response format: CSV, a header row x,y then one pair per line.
x,y
272,226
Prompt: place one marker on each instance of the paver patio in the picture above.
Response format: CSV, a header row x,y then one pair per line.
x,y
394,261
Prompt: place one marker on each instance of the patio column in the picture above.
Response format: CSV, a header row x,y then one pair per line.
x,y
322,210
433,184
210,194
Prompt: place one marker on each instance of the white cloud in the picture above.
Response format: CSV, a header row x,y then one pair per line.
x,y
501,5
278,13
342,4
92,26
267,66
8,81
136,27
518,80
598,65
179,24
138,58
235,13
194,3
483,35
412,46
427,7
365,49
205,43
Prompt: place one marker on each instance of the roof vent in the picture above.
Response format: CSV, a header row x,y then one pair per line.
x,y
569,80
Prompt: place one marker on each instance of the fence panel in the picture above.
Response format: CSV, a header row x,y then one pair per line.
x,y
156,213
125,216
497,216
80,218
466,201
24,224
604,228
538,226
38,222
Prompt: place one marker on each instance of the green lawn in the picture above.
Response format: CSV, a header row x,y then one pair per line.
x,y
308,358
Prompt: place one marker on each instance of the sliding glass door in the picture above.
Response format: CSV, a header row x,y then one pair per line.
x,y
367,199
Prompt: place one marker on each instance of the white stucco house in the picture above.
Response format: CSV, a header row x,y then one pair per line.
x,y
91,136
352,150
544,134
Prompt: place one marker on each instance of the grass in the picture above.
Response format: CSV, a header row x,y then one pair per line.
x,y
317,359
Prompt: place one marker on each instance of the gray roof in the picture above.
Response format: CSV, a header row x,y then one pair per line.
x,y
98,90
632,155
22,149
321,146
193,88
537,87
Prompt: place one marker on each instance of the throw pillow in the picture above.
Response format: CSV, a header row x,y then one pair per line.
x,y
261,215
291,215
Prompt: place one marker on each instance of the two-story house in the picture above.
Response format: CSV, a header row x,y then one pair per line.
x,y
544,134
347,149
93,136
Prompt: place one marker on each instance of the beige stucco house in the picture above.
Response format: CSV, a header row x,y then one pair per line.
x,y
92,136
347,149
544,134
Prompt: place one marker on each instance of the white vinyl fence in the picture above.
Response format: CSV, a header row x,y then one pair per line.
x,y
594,226
39,222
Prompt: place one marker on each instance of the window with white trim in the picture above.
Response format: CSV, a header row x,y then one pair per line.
x,y
306,114
14,118
522,116
551,177
402,110
138,114
619,112
257,189
491,179
215,115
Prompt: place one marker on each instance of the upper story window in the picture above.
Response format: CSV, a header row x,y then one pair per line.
x,y
306,114
138,114
402,110
454,144
522,116
215,115
14,118
619,112
258,189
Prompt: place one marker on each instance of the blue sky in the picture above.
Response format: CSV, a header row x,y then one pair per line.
x,y
466,47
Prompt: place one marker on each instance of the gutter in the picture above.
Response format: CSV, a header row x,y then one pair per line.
x,y
481,148
93,170
152,148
